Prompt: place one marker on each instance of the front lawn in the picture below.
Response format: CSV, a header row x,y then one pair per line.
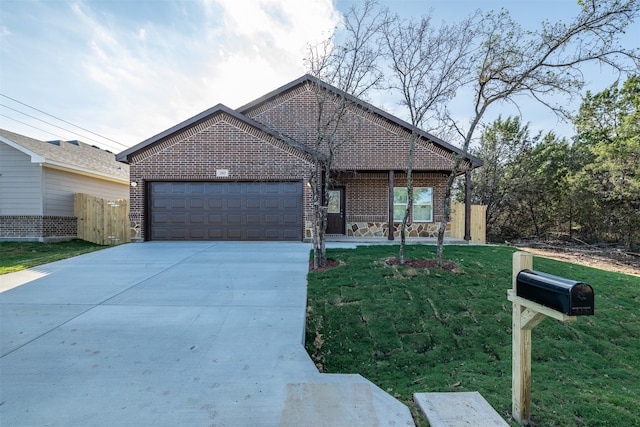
x,y
16,256
413,330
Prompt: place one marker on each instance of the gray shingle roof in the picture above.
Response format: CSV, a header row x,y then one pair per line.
x,y
74,155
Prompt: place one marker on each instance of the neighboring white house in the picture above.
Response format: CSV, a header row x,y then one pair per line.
x,y
39,178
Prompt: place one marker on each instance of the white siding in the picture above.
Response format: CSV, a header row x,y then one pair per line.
x,y
20,183
61,185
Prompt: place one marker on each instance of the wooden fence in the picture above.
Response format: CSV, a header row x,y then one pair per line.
x,y
478,222
102,221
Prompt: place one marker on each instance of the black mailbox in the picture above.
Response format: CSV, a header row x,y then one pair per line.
x,y
567,296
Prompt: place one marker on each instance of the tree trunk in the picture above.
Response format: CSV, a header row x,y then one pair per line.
x,y
446,208
629,239
570,221
534,218
324,210
405,220
446,217
314,219
319,225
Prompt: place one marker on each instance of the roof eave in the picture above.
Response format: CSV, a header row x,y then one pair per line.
x,y
85,172
35,158
123,156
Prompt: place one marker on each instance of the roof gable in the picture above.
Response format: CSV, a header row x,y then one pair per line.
x,y
246,115
273,95
191,126
69,155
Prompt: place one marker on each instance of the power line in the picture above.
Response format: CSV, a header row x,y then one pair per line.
x,y
62,120
50,124
31,126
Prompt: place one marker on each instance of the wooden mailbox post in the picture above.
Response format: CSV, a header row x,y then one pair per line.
x,y
526,316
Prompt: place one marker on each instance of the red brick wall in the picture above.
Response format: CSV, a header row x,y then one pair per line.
x,y
368,141
368,194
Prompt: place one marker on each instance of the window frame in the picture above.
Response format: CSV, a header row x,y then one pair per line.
x,y
404,204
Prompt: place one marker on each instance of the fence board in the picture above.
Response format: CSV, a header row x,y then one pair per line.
x,y
102,221
478,222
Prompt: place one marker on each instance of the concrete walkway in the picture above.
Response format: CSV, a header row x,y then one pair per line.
x,y
172,334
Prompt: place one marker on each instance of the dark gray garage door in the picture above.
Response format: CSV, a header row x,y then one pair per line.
x,y
225,211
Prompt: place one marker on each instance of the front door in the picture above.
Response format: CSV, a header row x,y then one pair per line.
x,y
335,213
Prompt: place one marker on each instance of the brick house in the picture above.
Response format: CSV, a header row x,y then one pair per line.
x,y
243,174
38,180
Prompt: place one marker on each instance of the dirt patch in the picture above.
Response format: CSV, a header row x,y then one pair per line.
x,y
414,263
614,260
331,263
607,259
423,263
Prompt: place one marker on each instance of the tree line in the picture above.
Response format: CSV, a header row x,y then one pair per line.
x,y
585,188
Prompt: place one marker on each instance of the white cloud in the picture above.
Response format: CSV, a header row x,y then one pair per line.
x,y
162,76
129,70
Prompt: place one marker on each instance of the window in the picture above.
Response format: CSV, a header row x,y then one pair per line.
x,y
422,204
334,201
399,203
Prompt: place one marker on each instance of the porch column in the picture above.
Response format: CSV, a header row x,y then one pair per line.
x,y
390,219
467,205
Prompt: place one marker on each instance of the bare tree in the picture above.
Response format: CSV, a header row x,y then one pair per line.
x,y
348,61
428,65
545,64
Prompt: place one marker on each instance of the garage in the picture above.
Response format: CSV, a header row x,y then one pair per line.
x,y
225,211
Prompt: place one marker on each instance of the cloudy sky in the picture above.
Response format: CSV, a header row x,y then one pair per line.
x,y
127,70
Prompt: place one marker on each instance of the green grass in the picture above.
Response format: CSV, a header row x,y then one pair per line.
x,y
410,330
16,256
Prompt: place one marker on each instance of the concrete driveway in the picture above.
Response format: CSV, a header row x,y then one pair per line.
x,y
173,334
